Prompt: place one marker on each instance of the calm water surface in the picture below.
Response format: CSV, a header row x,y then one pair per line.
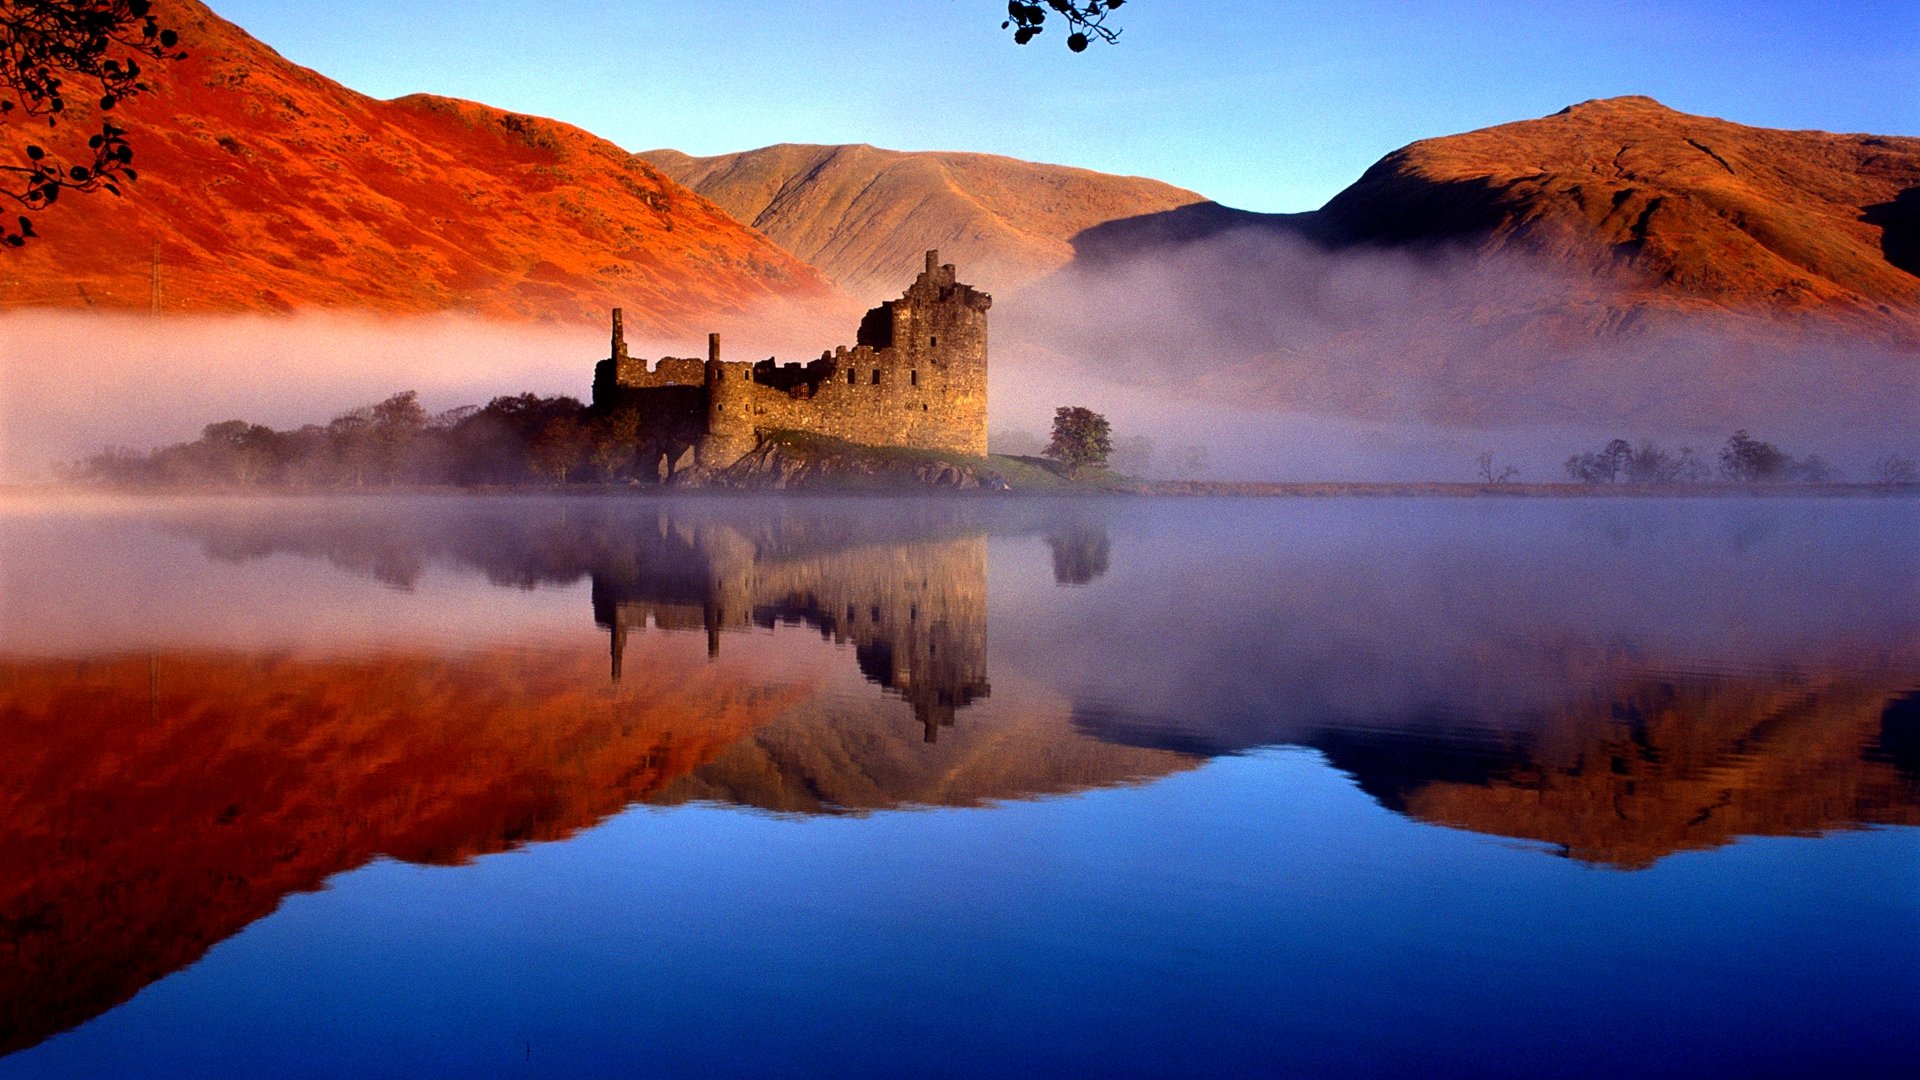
x,y
810,788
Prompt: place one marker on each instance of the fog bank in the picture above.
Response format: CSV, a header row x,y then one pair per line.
x,y
1302,362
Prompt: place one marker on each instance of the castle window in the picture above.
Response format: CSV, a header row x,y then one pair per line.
x,y
873,613
851,616
923,406
747,374
876,376
852,376
913,377
933,342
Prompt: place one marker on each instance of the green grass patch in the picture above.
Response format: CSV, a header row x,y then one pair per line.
x,y
894,465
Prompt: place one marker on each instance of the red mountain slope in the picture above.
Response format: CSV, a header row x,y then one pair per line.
x,y
1616,263
269,188
1686,206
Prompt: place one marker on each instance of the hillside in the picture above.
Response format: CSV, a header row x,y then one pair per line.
x,y
1675,208
1616,262
1684,205
269,187
863,215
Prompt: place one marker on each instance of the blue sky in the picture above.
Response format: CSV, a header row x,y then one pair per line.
x,y
1261,104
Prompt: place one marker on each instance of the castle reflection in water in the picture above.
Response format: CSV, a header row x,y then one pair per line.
x,y
1470,674
914,611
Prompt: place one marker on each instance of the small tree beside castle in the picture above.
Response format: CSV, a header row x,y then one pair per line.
x,y
1081,437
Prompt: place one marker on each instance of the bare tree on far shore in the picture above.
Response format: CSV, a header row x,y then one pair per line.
x,y
1492,473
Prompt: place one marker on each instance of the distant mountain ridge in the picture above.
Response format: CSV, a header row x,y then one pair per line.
x,y
1616,263
1694,209
268,187
1716,210
863,215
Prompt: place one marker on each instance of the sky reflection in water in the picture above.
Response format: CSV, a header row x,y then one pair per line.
x,y
1175,770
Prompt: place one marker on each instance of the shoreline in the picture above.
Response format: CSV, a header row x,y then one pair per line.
x,y
1178,489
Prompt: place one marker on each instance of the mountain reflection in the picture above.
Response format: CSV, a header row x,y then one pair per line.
x,y
234,775
1525,722
1637,768
162,796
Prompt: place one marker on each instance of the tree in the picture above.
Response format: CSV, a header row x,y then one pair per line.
x,y
1603,467
1813,469
238,451
1690,468
356,443
1081,437
1648,464
1896,469
615,436
44,44
1745,459
559,448
1086,21
1506,474
397,424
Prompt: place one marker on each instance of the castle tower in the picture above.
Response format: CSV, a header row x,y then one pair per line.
x,y
619,352
939,331
729,434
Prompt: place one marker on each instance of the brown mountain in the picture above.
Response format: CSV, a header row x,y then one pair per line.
x,y
1676,205
1616,262
269,187
1675,208
864,216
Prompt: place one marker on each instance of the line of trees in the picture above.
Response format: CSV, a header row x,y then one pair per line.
x,y
519,439
1741,459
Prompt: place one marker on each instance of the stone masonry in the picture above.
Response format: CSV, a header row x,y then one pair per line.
x,y
915,377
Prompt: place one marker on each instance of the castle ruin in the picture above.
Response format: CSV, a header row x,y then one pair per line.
x,y
916,376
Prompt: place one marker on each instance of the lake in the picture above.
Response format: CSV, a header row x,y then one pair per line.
x,y
522,786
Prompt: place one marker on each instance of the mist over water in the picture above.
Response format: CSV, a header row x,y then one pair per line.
x,y
1283,359
1338,783
72,384
1301,362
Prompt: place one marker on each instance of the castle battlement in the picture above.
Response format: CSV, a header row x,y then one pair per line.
x,y
916,376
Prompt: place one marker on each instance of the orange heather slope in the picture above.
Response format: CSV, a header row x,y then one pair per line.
x,y
864,215
1615,263
269,187
1682,205
1650,205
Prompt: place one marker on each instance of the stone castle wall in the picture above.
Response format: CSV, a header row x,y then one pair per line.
x,y
916,377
